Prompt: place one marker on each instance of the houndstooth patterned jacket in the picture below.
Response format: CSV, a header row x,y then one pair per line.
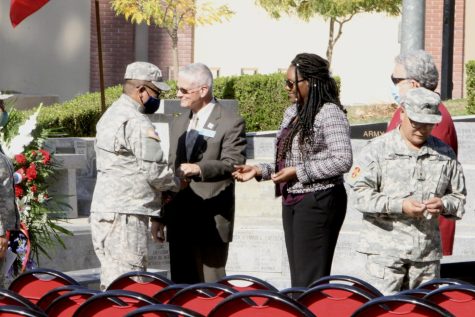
x,y
321,166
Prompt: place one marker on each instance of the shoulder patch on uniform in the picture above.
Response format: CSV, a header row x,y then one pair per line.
x,y
355,172
151,133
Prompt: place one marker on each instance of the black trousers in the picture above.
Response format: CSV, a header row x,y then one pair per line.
x,y
197,252
192,263
311,229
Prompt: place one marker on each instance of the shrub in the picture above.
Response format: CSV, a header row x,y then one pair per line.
x,y
470,66
78,117
262,100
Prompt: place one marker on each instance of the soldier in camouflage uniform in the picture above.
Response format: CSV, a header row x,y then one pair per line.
x,y
401,182
131,174
9,218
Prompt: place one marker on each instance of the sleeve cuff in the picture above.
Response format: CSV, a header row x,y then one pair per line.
x,y
301,174
266,171
395,206
155,219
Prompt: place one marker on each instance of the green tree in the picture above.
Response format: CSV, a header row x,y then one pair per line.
x,y
171,15
337,12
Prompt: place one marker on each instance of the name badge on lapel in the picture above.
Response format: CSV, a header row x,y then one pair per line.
x,y
208,133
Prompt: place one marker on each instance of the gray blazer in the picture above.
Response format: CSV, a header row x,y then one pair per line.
x,y
216,152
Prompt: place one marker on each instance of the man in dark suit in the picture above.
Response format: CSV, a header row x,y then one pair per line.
x,y
205,144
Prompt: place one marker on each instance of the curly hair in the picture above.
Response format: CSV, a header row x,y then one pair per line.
x,y
322,89
420,66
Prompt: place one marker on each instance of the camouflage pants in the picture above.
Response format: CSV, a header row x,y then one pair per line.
x,y
391,275
3,282
120,243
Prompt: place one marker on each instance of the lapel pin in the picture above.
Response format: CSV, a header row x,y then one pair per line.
x,y
210,125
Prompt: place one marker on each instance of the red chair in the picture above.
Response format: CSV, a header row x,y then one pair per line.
x,y
17,311
457,299
49,297
400,305
415,292
440,282
36,283
164,295
334,300
147,283
243,283
276,305
67,304
350,280
163,310
9,298
114,303
294,292
201,297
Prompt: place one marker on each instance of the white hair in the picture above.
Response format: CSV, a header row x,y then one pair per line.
x,y
198,74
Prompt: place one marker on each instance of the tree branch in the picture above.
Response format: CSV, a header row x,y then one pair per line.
x,y
340,27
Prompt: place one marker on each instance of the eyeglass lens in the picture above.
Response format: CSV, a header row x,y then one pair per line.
x,y
187,91
290,84
397,80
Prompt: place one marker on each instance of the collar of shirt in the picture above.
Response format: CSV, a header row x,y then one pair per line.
x,y
204,113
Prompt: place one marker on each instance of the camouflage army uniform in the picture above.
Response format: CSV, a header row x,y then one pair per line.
x,y
9,217
386,173
131,173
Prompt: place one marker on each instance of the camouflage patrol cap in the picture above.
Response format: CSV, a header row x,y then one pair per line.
x,y
148,72
422,105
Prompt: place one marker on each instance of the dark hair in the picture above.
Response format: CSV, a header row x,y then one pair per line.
x,y
322,89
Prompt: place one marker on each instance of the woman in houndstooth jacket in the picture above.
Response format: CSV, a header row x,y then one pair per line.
x,y
313,152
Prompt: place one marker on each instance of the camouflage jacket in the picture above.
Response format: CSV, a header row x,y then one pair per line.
x,y
131,170
9,218
385,174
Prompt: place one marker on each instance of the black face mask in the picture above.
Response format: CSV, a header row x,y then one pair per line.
x,y
151,105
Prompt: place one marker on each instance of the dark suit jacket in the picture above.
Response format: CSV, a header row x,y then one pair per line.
x,y
205,210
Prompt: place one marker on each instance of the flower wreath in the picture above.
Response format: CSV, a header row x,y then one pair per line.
x,y
33,166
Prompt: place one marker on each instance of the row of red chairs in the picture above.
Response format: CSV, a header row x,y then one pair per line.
x,y
146,294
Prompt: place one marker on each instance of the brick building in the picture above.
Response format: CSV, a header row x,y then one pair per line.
x,y
118,44
54,51
433,39
119,39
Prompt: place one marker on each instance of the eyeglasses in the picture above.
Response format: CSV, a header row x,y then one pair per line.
x,y
290,84
187,91
156,91
397,80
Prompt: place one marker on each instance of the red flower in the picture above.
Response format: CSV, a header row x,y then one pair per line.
x,y
33,189
31,172
20,159
18,191
46,156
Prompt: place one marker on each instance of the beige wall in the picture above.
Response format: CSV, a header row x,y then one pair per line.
x,y
48,53
363,56
469,49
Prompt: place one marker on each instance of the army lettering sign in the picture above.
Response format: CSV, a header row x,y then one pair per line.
x,y
367,131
